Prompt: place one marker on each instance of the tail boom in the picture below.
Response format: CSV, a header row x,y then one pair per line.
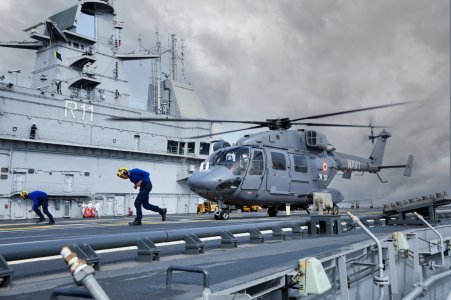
x,y
349,163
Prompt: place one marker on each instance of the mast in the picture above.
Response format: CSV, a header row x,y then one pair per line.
x,y
157,76
182,60
173,57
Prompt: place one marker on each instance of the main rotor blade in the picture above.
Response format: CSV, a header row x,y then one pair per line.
x,y
262,123
222,132
338,125
349,111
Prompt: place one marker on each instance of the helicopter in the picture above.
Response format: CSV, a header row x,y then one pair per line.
x,y
282,168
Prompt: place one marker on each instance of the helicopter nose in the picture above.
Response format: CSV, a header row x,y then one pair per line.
x,y
208,181
200,181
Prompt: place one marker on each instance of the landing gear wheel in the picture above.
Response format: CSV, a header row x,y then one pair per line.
x,y
224,215
272,211
335,210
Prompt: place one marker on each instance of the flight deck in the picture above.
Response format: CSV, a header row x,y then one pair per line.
x,y
122,276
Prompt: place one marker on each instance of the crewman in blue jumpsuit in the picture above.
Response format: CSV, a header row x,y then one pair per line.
x,y
141,179
40,199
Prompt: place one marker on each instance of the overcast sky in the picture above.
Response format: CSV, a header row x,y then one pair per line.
x,y
254,60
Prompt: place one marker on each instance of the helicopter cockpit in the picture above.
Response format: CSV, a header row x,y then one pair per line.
x,y
235,159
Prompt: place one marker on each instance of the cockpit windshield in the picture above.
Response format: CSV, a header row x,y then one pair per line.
x,y
235,159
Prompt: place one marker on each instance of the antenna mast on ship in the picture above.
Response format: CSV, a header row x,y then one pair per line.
x,y
157,77
182,59
161,106
173,57
156,70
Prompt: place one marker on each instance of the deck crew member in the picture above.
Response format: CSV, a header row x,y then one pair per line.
x,y
40,199
142,181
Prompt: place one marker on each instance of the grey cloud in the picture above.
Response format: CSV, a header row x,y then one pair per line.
x,y
266,59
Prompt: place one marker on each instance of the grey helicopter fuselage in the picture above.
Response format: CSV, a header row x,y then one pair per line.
x,y
267,169
280,167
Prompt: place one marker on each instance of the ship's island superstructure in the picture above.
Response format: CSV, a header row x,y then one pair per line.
x,y
55,131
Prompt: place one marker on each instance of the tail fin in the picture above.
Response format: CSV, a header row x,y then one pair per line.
x,y
377,154
409,166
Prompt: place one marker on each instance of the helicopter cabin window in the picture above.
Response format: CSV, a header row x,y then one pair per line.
x,y
300,164
278,161
235,159
204,148
210,161
257,165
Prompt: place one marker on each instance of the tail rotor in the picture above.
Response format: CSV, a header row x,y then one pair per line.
x,y
372,137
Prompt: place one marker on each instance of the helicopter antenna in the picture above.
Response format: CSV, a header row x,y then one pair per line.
x,y
383,181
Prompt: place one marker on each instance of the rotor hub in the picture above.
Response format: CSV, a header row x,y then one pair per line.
x,y
275,124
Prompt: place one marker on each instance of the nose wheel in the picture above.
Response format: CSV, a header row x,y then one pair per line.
x,y
222,215
335,210
272,211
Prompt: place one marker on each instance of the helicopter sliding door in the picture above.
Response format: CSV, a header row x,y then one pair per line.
x,y
278,177
254,176
300,174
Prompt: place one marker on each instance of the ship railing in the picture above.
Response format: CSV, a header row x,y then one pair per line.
x,y
45,135
49,88
14,131
61,136
14,77
45,86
